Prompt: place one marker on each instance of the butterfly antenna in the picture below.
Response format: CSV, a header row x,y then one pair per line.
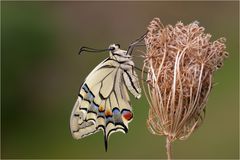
x,y
87,49
135,43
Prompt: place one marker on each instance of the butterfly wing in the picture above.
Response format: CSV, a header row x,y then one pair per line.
x,y
131,81
102,104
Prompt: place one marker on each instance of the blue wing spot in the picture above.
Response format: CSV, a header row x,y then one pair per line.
x,y
101,114
88,91
90,96
94,105
115,111
109,119
85,88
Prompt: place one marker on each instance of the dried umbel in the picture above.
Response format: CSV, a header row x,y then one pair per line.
x,y
180,61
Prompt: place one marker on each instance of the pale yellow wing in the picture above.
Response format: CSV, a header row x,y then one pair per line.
x,y
102,103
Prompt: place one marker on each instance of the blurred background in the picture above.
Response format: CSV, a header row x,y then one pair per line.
x,y
41,73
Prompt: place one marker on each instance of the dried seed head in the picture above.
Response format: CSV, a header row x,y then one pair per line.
x,y
180,61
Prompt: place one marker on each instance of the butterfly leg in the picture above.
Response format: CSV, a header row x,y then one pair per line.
x,y
134,44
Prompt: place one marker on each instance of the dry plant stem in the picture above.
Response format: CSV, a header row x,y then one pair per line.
x,y
169,149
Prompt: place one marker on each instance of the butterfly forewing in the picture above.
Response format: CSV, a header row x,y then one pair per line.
x,y
103,102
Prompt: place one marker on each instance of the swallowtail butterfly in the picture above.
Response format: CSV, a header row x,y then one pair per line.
x,y
103,102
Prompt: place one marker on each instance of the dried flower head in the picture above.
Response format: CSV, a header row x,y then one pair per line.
x,y
180,61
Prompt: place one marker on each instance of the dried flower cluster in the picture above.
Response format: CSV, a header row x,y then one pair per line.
x,y
180,61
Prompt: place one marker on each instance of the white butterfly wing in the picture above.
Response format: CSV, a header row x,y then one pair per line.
x,y
103,103
132,82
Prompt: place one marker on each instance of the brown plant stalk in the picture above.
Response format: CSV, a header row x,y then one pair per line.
x,y
180,61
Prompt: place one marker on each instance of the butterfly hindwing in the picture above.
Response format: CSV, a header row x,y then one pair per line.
x,y
103,103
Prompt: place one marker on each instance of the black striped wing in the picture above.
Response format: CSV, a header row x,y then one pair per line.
x,y
103,103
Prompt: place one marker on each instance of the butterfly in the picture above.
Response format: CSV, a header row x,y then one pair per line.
x,y
103,102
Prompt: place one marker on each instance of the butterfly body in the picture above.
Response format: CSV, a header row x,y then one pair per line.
x,y
103,102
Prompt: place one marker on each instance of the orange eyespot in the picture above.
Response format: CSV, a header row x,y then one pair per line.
x,y
108,113
100,108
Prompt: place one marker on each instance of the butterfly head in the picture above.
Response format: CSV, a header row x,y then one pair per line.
x,y
116,52
114,47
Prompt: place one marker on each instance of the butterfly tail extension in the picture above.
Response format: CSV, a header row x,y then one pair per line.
x,y
112,127
105,142
114,119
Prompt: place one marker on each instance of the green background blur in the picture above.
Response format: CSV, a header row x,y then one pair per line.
x,y
41,74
